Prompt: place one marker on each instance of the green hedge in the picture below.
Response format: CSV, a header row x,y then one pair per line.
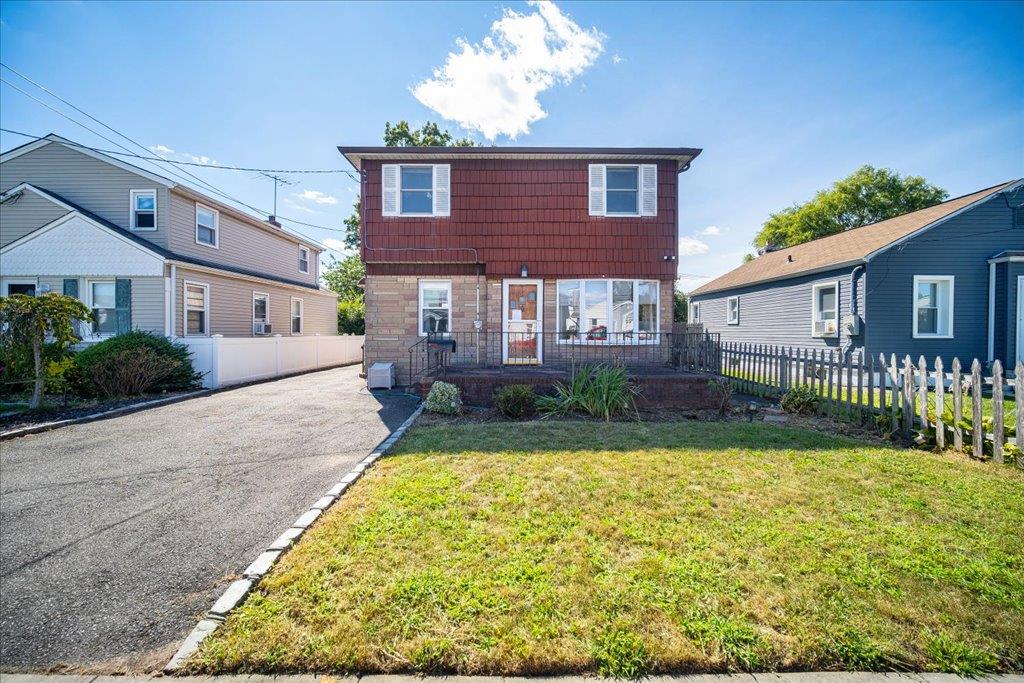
x,y
104,357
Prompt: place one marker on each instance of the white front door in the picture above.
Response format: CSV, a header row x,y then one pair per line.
x,y
522,322
1020,318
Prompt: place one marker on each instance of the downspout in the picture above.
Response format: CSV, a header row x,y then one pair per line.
x,y
854,308
174,299
991,312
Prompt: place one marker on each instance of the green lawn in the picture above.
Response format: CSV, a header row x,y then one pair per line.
x,y
626,548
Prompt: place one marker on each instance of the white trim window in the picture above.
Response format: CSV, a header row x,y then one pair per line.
x,y
29,286
195,310
260,313
825,309
608,311
434,315
933,307
207,226
103,304
623,190
142,210
303,259
695,312
732,310
297,315
416,190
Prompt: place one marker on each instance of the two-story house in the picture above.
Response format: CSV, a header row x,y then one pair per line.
x,y
517,255
145,252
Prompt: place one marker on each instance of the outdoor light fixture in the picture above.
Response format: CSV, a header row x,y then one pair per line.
x,y
522,271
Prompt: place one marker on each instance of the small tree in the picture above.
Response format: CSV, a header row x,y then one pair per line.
x,y
28,320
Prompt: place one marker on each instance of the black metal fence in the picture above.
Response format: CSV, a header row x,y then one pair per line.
x,y
690,351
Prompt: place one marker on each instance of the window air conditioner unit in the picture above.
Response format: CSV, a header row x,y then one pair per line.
x,y
824,328
261,328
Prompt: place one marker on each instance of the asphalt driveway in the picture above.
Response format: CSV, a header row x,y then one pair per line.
x,y
115,536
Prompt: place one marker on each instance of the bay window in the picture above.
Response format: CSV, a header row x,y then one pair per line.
x,y
933,306
608,311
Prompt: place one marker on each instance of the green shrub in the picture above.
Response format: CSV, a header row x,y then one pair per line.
x,y
721,393
17,369
516,400
801,400
600,390
443,398
351,316
164,366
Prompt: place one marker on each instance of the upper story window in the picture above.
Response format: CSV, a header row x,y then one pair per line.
x,y
825,309
207,226
732,310
623,189
303,259
416,189
933,306
143,210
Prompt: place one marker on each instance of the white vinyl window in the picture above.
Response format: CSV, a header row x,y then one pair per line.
x,y
303,260
695,312
608,311
103,303
196,309
416,189
933,306
297,315
825,309
623,189
143,210
435,308
732,310
260,313
207,226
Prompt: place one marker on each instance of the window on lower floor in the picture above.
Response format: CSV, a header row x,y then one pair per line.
x,y
825,310
435,308
103,302
197,305
260,313
695,312
610,311
26,288
732,310
296,316
933,306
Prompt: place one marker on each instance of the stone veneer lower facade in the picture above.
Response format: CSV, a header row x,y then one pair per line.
x,y
392,303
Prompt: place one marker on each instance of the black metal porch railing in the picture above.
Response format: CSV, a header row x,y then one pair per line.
x,y
691,351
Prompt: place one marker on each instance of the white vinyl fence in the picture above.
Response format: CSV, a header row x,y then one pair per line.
x,y
234,360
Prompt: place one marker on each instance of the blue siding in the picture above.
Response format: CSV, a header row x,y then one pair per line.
x,y
960,247
1014,271
780,312
1003,334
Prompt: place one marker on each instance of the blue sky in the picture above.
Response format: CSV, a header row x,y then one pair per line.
x,y
783,98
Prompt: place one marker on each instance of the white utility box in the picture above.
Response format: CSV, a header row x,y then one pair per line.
x,y
381,376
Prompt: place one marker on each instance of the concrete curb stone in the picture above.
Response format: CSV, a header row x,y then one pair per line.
x,y
237,591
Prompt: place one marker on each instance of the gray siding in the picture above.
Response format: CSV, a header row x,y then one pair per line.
x,y
147,299
959,247
780,312
1014,271
24,214
240,244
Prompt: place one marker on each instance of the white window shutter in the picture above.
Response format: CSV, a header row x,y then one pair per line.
x,y
649,190
442,189
389,189
597,187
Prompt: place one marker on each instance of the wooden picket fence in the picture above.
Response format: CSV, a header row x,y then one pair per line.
x,y
904,397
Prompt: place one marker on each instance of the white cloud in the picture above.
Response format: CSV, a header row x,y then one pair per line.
x,y
299,207
161,150
710,231
198,159
168,153
334,244
617,58
691,246
316,196
492,86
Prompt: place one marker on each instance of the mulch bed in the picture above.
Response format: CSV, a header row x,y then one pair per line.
x,y
51,413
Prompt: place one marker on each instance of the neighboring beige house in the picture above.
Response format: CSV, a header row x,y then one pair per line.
x,y
144,252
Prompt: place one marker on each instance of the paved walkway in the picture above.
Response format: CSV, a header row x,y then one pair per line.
x,y
808,677
117,535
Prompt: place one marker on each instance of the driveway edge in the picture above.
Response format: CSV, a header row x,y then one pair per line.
x,y
236,592
113,412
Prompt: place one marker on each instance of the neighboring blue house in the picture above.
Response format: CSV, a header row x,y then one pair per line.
x,y
943,281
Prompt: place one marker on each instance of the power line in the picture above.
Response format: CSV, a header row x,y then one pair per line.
x,y
175,162
199,180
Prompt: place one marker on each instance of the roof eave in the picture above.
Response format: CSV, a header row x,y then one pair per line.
x,y
683,156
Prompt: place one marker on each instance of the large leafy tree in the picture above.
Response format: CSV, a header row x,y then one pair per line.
x,y
27,321
867,195
400,134
343,277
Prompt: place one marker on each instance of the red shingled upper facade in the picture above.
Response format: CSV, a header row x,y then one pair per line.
x,y
506,213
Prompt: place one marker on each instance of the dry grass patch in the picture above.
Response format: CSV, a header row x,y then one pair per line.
x,y
624,549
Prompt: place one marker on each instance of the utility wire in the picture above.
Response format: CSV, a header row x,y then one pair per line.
x,y
175,162
199,180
